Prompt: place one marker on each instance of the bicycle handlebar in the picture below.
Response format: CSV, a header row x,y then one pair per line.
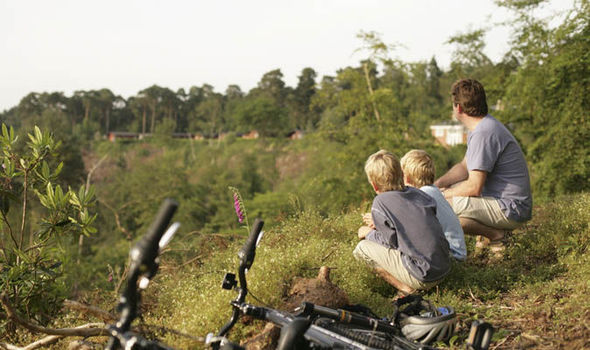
x,y
143,262
248,251
246,254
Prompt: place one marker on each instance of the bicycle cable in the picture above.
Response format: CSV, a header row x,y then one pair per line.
x,y
258,300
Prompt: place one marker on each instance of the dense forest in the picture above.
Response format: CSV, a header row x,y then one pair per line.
x,y
72,201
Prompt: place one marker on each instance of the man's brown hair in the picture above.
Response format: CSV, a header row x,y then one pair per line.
x,y
471,96
419,167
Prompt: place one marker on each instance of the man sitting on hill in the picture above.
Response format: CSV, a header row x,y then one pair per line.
x,y
402,238
490,189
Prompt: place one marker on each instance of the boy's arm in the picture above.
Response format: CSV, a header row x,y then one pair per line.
x,y
385,230
364,231
456,174
368,220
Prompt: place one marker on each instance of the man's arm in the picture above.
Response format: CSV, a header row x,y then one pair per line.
x,y
471,187
456,174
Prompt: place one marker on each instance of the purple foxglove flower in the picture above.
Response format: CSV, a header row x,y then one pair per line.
x,y
238,209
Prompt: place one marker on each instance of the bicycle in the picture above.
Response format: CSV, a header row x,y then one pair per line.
x,y
311,327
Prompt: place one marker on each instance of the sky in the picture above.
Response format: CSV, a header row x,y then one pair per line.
x,y
129,45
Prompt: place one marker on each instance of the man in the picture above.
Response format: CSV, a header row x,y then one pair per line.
x,y
490,189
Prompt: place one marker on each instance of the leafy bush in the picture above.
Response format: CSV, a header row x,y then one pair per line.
x,y
31,241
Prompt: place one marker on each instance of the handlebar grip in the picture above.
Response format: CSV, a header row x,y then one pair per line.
x,y
247,252
148,246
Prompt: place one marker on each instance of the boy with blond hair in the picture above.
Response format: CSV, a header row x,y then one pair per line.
x,y
419,172
402,238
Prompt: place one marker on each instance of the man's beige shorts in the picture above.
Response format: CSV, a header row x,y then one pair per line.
x,y
390,260
485,210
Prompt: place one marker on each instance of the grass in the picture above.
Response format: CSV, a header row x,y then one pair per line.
x,y
535,297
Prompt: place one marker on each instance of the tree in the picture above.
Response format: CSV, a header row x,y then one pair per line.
x,y
468,56
261,113
89,101
152,96
105,100
378,51
233,92
139,105
272,85
546,98
303,93
209,115
433,75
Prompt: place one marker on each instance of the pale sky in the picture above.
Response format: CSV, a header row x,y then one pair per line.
x,y
126,46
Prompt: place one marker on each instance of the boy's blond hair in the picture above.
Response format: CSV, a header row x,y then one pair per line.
x,y
383,169
418,166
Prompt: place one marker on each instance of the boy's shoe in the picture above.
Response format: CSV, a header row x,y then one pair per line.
x,y
401,294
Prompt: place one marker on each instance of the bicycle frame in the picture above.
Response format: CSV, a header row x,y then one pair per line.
x,y
296,329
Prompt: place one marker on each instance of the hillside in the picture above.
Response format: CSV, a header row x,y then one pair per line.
x,y
536,297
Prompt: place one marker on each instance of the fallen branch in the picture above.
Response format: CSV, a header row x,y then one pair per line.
x,y
44,341
532,337
474,297
191,260
87,330
38,344
328,255
89,309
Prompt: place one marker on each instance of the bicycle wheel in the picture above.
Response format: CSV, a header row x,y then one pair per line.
x,y
368,337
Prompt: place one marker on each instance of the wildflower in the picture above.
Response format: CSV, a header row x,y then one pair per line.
x,y
239,207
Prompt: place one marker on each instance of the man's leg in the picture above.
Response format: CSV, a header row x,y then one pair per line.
x,y
482,216
474,228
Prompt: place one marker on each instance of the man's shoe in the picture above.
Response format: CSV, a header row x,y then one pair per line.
x,y
498,247
481,242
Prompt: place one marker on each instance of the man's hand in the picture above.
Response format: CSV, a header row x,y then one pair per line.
x,y
368,220
471,187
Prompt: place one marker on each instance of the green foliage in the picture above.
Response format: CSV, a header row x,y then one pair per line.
x,y
31,237
263,114
547,102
